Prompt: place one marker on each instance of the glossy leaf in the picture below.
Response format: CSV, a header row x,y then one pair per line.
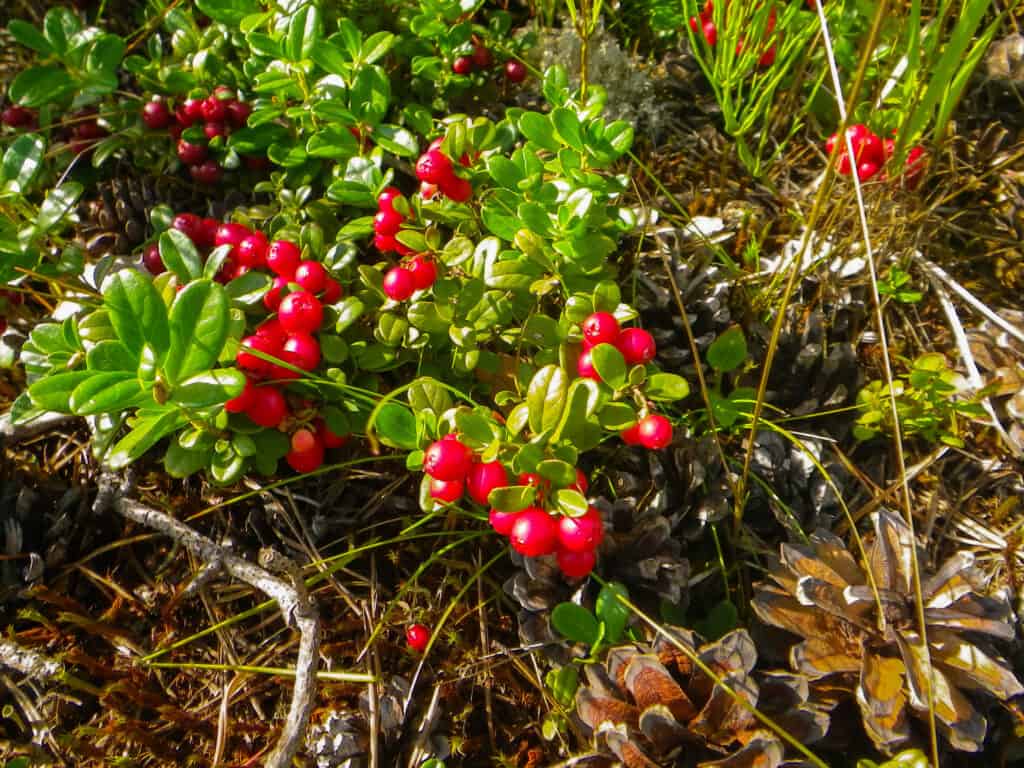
x,y
22,162
199,322
180,256
612,613
106,393
53,392
728,351
209,388
575,623
37,86
396,426
147,429
512,498
666,386
610,365
546,398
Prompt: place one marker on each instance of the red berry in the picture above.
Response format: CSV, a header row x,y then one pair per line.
x,y
213,129
385,243
238,113
303,440
580,534
636,345
330,439
457,189
387,197
151,260
423,271
434,167
89,130
16,117
387,222
207,233
462,65
515,71
448,459
192,109
156,115
268,407
585,366
866,169
502,522
209,172
600,328
418,637
308,460
300,312
189,225
398,284
332,291
272,298
243,401
283,257
768,57
231,234
654,432
631,435
311,276
581,483
694,24
482,56
259,343
301,350
914,168
871,150
252,250
191,154
448,491
483,478
710,32
534,533
254,163
214,109
576,565
274,331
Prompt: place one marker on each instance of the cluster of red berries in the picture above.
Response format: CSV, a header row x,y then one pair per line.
x,y
871,153
704,25
18,117
417,274
388,222
481,59
219,113
436,173
82,131
454,471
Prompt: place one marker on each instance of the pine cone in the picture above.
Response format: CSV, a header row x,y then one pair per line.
x,y
649,703
1001,360
819,593
116,221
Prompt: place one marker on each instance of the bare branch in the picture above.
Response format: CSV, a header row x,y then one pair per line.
x,y
12,434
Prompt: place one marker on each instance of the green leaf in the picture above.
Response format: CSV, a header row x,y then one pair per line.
x,y
538,129
248,289
256,139
563,683
576,623
106,393
30,37
474,426
614,614
728,351
182,462
568,127
397,426
546,398
53,392
560,473
570,503
331,58
148,428
542,330
616,416
111,356
666,386
137,312
179,255
332,141
512,498
427,395
37,86
209,388
397,140
230,12
349,310
304,31
609,364
57,204
199,323
22,162
376,46
721,619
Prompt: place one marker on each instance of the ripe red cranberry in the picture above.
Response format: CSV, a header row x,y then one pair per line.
x,y
303,440
398,284
191,154
274,331
866,169
272,298
502,522
283,257
636,345
332,291
387,222
89,130
243,401
428,190
576,565
534,533
768,57
871,150
252,250
255,163
631,435
213,129
580,534
385,243
209,172
301,350
254,363
189,225
214,109
387,197
424,272
311,276
515,71
581,483
482,56
230,233
151,260
268,408
483,478
448,491
207,232
418,637
192,110
238,113
17,117
434,167
710,32
156,115
448,459
308,460
329,438
600,328
914,168
456,189
463,65
654,432
300,312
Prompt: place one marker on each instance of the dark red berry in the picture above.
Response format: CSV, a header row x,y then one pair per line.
x,y
268,407
515,71
482,56
156,115
17,117
152,261
462,65
191,154
502,522
332,291
238,113
189,225
272,298
214,109
214,128
209,172
311,276
192,111
258,343
207,233
230,233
